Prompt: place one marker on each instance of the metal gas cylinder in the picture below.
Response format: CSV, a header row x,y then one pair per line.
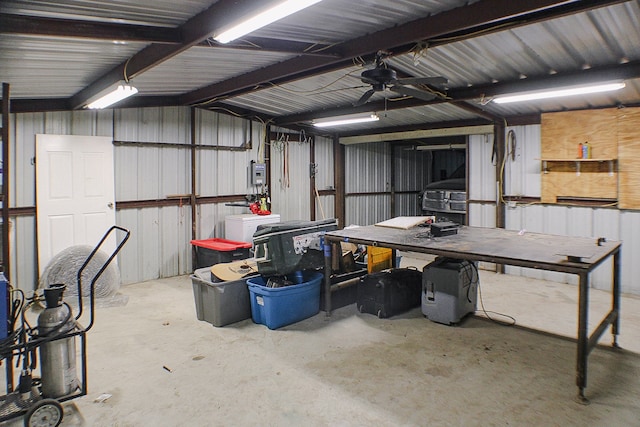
x,y
57,355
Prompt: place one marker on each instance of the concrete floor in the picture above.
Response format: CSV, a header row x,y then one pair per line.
x,y
152,363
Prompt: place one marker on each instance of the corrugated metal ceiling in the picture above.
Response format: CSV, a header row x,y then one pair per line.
x,y
333,21
46,67
150,12
279,76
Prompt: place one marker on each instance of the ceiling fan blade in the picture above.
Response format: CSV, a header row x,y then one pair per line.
x,y
364,98
408,91
438,81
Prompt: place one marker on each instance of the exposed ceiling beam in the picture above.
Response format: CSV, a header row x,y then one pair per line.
x,y
630,70
275,45
237,111
39,105
458,127
464,105
626,71
33,25
467,18
194,31
350,109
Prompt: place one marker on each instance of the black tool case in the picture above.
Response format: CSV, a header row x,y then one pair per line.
x,y
285,247
389,292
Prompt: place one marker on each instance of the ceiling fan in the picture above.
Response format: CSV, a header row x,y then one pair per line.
x,y
381,78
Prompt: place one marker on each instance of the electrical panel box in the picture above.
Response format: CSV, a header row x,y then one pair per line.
x,y
258,173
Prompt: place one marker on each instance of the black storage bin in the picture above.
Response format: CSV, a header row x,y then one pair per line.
x,y
389,292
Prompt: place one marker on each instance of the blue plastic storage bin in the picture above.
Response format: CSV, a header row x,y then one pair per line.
x,y
277,307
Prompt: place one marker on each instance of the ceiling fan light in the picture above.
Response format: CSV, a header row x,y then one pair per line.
x,y
555,93
345,120
263,18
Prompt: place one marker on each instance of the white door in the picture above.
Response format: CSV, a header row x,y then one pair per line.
x,y
75,193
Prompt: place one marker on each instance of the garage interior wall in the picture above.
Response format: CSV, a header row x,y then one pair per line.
x,y
367,183
290,159
324,167
411,172
159,246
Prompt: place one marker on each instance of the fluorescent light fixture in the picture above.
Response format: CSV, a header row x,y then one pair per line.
x,y
112,95
568,91
346,120
261,19
436,147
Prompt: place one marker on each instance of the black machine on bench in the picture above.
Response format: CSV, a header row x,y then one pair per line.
x,y
287,247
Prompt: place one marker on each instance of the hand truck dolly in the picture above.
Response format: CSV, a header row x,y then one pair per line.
x,y
39,399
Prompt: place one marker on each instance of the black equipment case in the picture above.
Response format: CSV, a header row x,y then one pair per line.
x,y
285,247
389,292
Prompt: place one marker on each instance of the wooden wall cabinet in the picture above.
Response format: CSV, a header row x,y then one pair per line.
x,y
613,171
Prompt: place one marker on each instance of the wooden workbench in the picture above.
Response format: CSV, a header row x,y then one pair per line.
x,y
575,255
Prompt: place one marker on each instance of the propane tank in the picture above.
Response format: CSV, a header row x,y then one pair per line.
x,y
58,356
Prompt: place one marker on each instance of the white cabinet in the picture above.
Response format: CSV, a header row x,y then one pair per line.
x,y
240,228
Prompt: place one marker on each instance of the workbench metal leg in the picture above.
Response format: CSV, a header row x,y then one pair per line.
x,y
327,277
583,337
615,327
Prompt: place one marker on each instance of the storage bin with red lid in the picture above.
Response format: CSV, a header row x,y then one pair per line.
x,y
215,251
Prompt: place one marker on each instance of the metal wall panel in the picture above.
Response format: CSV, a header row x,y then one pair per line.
x,y
210,219
482,215
325,208
522,165
629,230
583,222
407,205
325,168
151,172
481,169
159,243
23,172
367,210
412,168
166,124
160,236
367,168
481,185
224,172
23,253
412,171
325,165
290,182
159,246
